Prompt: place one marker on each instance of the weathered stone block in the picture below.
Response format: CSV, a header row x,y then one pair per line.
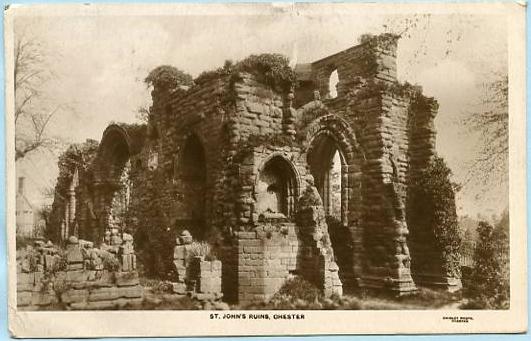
x,y
103,294
74,296
126,278
131,292
77,276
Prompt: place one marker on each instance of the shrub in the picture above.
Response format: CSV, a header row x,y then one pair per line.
x,y
431,200
298,288
110,262
200,249
271,69
162,287
166,77
60,263
489,287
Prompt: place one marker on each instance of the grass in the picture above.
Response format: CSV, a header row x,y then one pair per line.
x,y
301,295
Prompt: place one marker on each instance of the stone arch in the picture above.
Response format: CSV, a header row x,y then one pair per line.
x,y
327,137
327,164
112,186
277,186
192,174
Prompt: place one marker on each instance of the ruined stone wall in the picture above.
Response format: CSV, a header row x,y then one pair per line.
x,y
374,59
175,118
238,124
376,109
431,265
266,257
78,278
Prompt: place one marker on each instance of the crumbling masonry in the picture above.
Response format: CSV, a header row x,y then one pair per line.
x,y
310,180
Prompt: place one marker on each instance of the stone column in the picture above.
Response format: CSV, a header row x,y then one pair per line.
x,y
430,265
380,123
72,200
288,119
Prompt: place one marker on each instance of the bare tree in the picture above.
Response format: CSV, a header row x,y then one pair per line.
x,y
33,111
489,116
491,121
142,114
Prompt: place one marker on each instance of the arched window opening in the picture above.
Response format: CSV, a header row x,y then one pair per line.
x,y
116,184
276,189
326,163
119,207
332,84
193,174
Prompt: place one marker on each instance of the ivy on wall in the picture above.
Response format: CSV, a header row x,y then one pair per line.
x,y
432,215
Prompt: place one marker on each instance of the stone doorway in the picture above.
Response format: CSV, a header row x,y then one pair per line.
x,y
112,189
327,166
193,173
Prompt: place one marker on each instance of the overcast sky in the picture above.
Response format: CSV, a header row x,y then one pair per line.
x,y
100,62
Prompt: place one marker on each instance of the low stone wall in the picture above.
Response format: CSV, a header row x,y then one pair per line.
x,y
266,257
194,275
272,253
205,278
79,278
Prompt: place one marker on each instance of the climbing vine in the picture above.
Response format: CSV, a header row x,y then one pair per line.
x,y
432,213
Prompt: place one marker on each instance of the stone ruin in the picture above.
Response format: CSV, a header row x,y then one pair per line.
x,y
196,276
309,180
80,276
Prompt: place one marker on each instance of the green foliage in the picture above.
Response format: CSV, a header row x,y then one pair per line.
x,y
298,288
200,249
60,263
490,276
110,262
166,77
364,38
432,204
270,68
297,293
162,287
207,76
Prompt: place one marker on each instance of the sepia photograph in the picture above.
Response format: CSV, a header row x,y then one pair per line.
x,y
266,165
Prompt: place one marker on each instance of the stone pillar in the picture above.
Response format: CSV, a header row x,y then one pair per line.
x,y
430,265
380,121
288,119
72,200
66,219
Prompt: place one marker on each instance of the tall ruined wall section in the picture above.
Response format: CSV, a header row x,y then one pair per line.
x,y
231,160
187,128
380,111
264,248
